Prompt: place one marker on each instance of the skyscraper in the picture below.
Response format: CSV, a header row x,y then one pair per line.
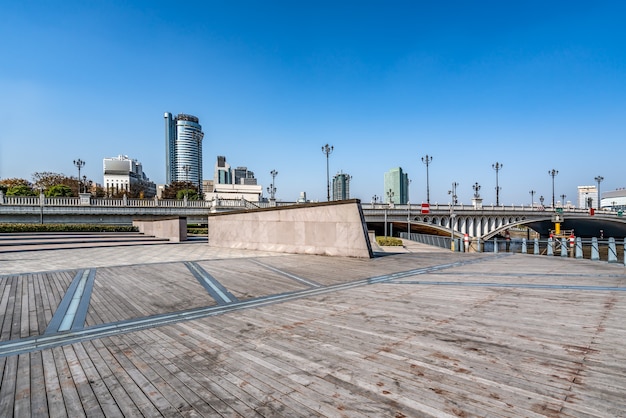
x,y
183,149
341,186
396,186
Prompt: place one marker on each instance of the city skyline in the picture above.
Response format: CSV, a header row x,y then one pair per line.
x,y
533,86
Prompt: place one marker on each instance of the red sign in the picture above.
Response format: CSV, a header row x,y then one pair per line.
x,y
425,208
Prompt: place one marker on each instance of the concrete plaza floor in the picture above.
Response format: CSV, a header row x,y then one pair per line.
x,y
189,330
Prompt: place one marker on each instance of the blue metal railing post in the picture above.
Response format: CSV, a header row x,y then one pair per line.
x,y
579,247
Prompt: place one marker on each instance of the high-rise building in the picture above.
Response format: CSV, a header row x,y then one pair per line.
x,y
183,149
396,186
341,186
223,172
125,176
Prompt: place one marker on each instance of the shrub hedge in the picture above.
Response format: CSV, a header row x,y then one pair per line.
x,y
389,241
6,228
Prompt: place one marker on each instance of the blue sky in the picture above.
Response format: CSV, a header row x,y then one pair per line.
x,y
533,85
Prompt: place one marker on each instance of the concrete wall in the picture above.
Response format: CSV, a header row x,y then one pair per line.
x,y
174,229
334,228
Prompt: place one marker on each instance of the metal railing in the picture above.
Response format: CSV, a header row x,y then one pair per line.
x,y
609,250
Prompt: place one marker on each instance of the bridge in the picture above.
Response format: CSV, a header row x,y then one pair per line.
x,y
484,222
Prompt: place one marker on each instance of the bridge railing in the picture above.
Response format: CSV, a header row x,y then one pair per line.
x,y
446,208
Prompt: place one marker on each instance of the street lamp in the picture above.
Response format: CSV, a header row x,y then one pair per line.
x,y
599,180
563,200
272,189
326,149
553,174
453,193
79,164
541,199
374,199
532,198
427,160
497,166
390,195
452,215
476,188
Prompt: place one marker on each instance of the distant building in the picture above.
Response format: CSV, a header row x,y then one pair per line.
x,y
587,197
243,176
223,173
396,186
229,183
614,200
341,186
125,176
183,149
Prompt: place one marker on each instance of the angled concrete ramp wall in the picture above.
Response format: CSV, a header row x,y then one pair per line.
x,y
334,228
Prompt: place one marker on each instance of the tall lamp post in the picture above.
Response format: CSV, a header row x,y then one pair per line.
x,y
389,197
497,166
541,199
79,164
452,215
272,189
553,173
427,160
599,180
532,198
563,196
326,149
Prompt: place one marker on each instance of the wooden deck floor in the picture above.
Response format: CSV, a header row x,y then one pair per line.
x,y
431,334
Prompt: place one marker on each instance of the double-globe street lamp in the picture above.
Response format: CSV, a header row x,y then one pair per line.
x,y
79,164
326,149
532,198
553,173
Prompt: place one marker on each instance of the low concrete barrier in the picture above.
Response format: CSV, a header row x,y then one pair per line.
x,y
333,228
174,229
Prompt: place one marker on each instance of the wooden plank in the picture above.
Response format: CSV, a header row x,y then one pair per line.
x,y
56,404
38,399
71,396
8,385
22,387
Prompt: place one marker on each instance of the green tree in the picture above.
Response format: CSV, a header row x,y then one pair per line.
x,y
21,190
47,179
59,190
12,182
172,190
191,194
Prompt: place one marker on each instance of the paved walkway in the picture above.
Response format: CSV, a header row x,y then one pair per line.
x,y
188,330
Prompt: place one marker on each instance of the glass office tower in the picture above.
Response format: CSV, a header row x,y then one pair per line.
x,y
183,149
396,186
341,186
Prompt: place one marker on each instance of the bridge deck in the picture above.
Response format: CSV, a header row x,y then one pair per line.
x,y
411,334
